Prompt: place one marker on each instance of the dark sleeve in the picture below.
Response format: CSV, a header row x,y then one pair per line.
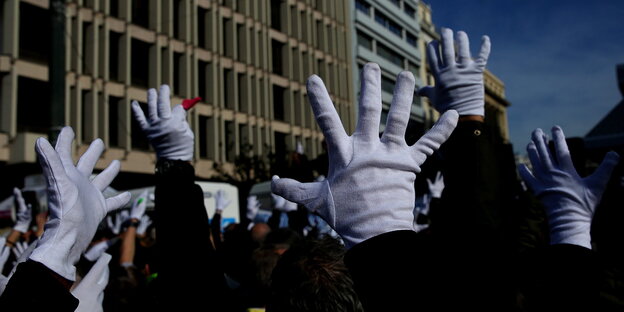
x,y
563,277
215,227
34,287
274,219
190,274
385,271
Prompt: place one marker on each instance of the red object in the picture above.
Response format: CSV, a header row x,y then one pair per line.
x,y
189,103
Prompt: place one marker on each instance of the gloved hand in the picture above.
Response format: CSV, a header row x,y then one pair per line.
x,y
437,186
145,223
278,202
363,169
458,79
166,128
253,205
569,200
4,253
90,290
422,206
289,206
120,218
24,212
75,202
19,249
98,249
139,205
221,201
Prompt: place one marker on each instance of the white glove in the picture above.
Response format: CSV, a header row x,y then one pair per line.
x,y
422,207
253,205
120,218
90,290
145,223
76,203
364,169
4,253
437,186
278,202
569,200
138,207
299,148
289,206
98,249
19,249
459,80
24,213
165,128
221,200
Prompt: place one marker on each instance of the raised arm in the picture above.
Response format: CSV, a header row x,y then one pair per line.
x,y
76,206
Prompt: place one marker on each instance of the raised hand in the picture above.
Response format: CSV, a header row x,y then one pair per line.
x,y
458,78
253,206
139,205
570,200
436,186
221,201
364,168
90,290
75,202
166,128
24,213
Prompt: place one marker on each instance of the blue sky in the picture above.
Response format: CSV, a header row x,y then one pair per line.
x,y
557,58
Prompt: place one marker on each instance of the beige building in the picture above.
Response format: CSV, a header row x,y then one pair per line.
x,y
247,59
495,102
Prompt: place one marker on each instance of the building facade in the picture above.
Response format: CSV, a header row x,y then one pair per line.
x,y
248,60
387,33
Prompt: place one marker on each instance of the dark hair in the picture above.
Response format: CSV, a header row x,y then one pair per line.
x,y
312,276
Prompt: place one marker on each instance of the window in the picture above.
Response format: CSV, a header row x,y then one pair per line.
x,y
87,48
86,113
29,102
114,120
204,122
389,55
229,141
242,93
411,39
409,10
228,40
202,17
177,72
278,102
202,80
413,68
34,41
139,140
388,24
228,88
140,13
396,2
277,49
140,63
113,52
365,40
276,16
178,19
362,6
387,84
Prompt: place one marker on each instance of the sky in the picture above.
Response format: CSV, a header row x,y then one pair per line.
x,y
557,58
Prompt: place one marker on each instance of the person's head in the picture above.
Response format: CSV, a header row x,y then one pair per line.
x,y
311,276
259,232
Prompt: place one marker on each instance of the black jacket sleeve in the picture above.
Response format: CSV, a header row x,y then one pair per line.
x,y
34,287
190,275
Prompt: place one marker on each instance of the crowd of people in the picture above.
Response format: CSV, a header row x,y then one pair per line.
x,y
439,224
